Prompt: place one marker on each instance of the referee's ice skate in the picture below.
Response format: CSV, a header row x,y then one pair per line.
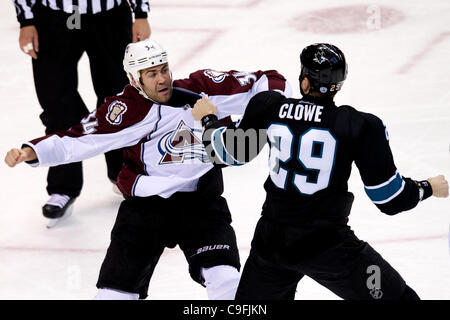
x,y
57,208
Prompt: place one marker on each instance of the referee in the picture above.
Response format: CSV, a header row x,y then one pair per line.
x,y
55,33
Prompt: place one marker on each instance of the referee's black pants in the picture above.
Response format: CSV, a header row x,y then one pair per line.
x,y
103,37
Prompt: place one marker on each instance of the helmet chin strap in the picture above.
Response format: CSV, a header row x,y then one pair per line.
x,y
141,91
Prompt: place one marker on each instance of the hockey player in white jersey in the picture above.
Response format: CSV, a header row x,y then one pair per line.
x,y
166,171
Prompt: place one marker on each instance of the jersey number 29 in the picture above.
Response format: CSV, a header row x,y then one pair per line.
x,y
316,152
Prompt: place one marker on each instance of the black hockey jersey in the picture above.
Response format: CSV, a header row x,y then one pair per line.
x,y
313,144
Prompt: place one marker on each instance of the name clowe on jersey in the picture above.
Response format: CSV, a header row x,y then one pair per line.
x,y
305,112
182,144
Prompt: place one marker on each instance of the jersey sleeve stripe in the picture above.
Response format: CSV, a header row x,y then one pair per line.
x,y
133,188
386,191
218,145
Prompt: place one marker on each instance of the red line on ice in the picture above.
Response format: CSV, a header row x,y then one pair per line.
x,y
95,251
420,55
48,249
203,45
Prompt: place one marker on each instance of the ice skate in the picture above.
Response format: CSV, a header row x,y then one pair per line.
x,y
57,208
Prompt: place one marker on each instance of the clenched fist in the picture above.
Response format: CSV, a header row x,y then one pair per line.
x,y
439,186
202,108
16,156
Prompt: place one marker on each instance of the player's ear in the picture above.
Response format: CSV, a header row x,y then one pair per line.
x,y
305,85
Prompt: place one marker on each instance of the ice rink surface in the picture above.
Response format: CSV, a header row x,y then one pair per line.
x,y
398,69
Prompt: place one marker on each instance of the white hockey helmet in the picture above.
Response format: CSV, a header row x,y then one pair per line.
x,y
141,55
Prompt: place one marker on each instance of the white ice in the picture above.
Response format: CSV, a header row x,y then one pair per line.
x,y
399,72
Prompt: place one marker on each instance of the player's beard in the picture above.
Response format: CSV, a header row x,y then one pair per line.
x,y
158,97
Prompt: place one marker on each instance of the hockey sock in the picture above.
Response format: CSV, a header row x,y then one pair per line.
x,y
221,282
113,294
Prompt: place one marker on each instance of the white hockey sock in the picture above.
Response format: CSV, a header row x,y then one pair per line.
x,y
113,294
221,282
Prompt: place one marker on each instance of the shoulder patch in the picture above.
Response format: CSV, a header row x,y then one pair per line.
x,y
115,112
216,76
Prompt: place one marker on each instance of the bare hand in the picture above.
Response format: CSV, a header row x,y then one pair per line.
x,y
439,186
202,108
141,29
16,156
28,41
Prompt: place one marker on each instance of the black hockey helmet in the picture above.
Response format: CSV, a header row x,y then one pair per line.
x,y
325,67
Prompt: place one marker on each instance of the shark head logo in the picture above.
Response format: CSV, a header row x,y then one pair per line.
x,y
319,57
180,145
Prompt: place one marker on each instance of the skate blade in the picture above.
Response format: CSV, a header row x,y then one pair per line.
x,y
54,222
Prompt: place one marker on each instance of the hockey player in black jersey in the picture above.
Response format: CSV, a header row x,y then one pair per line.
x,y
313,143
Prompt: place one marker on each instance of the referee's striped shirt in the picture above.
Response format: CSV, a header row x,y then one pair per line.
x,y
25,15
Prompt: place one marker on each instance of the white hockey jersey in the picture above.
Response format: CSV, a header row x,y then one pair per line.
x,y
163,150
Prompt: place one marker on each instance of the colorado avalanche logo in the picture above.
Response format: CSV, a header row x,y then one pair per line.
x,y
115,112
216,76
180,145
